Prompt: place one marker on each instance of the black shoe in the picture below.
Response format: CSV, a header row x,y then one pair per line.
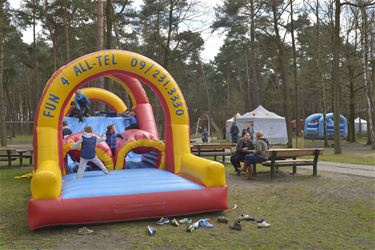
x,y
236,226
222,219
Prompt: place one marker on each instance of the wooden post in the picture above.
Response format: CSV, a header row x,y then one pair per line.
x,y
315,165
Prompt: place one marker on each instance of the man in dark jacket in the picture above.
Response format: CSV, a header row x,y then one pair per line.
x,y
234,130
242,147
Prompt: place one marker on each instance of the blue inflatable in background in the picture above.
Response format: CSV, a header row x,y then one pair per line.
x,y
314,126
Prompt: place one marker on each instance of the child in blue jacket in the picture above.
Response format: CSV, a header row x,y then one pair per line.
x,y
111,138
88,153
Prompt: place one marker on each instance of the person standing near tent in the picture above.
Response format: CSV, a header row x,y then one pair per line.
x,y
234,130
242,146
82,103
260,154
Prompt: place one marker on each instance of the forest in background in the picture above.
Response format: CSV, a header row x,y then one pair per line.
x,y
293,57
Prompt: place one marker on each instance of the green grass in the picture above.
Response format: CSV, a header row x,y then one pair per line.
x,y
325,212
21,139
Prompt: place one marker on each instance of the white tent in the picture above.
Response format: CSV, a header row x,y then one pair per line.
x,y
229,123
272,125
360,125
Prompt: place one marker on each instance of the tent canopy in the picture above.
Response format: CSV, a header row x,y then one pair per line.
x,y
231,119
360,129
261,113
272,125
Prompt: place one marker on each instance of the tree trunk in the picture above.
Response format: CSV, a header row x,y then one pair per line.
x,y
281,62
170,22
99,44
335,80
253,60
207,95
366,77
109,19
66,29
2,101
320,78
295,80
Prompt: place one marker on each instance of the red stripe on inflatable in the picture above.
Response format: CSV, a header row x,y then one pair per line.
x,y
44,213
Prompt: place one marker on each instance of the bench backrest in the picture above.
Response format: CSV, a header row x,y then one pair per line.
x,y
294,152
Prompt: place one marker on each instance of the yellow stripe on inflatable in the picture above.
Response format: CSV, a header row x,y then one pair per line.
x,y
158,145
131,96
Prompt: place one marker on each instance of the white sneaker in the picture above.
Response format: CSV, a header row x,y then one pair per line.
x,y
263,224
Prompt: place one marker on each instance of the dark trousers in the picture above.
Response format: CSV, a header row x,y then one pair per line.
x,y
234,138
251,159
236,160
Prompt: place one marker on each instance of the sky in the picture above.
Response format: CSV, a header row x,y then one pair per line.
x,y
213,41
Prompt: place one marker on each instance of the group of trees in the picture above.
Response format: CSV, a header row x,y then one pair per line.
x,y
294,57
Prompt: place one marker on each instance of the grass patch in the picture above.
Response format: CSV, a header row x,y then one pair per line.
x,y
305,212
22,139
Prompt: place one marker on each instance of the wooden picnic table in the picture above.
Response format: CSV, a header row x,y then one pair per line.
x,y
212,149
14,152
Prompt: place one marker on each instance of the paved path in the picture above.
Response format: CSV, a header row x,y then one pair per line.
x,y
345,168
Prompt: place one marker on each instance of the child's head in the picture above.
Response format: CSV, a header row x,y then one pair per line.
x,y
88,129
111,128
65,123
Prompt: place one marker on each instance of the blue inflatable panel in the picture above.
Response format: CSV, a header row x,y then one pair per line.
x,y
98,123
124,182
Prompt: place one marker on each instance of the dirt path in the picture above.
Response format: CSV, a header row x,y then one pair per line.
x,y
344,168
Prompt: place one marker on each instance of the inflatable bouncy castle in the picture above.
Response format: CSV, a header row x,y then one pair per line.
x,y
314,129
150,177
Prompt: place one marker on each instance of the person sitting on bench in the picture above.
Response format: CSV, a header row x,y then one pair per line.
x,y
260,154
242,146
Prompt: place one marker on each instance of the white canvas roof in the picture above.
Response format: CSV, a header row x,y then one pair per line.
x,y
272,125
261,113
357,120
237,116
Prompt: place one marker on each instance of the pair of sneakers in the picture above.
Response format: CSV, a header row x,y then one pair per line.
x,y
263,224
85,230
200,223
246,217
166,220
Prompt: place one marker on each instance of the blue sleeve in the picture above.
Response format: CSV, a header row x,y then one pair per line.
x,y
76,102
86,99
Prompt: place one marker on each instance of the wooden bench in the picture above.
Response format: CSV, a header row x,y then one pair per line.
x,y
212,149
8,155
288,157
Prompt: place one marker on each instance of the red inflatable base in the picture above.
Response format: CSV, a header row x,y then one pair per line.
x,y
44,213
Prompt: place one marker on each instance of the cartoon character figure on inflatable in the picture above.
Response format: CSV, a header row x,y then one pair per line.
x,y
179,183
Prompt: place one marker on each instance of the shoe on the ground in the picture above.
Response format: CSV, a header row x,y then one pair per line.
x,y
85,230
236,225
174,222
186,221
163,221
192,227
246,217
205,223
263,224
151,230
222,219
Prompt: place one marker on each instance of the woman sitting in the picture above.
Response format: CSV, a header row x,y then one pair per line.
x,y
260,154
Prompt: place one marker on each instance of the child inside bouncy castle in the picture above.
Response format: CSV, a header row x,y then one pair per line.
x,y
111,138
88,153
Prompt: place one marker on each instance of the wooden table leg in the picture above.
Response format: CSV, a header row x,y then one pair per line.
x,y
254,169
272,171
21,158
294,167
